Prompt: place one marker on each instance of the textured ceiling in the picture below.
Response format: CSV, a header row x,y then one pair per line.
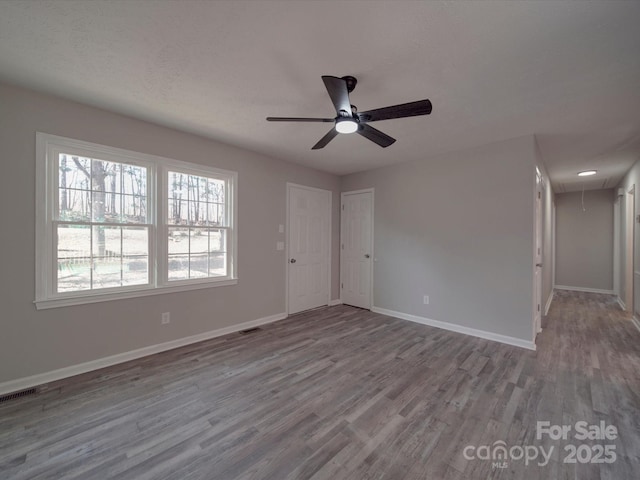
x,y
568,72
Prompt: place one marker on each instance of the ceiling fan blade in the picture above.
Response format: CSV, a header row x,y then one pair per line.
x,y
326,139
299,119
411,109
337,88
375,135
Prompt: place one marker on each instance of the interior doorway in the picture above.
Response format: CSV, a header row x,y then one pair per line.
x,y
356,248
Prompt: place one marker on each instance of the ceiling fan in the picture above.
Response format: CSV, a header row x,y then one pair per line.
x,y
349,120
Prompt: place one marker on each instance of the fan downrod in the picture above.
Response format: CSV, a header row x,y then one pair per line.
x,y
351,82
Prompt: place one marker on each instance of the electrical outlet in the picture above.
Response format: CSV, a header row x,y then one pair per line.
x,y
166,318
425,299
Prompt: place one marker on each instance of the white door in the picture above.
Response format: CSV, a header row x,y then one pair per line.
x,y
308,248
356,248
538,257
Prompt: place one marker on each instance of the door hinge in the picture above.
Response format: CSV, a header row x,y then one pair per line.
x,y
342,285
538,307
343,206
539,195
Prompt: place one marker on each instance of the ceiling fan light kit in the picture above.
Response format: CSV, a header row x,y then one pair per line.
x,y
349,120
346,125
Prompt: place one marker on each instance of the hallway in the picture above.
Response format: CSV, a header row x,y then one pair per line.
x,y
588,362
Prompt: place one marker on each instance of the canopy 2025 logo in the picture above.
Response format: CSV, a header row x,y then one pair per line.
x,y
500,454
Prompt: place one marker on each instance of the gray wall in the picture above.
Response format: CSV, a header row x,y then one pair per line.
x,y
584,239
32,341
459,228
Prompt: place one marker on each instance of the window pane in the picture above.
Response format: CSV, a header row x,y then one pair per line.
x,y
178,240
215,214
107,272
199,266
135,270
199,241
74,205
112,240
74,275
217,264
178,267
113,180
178,186
178,212
74,172
134,209
135,241
215,191
218,241
74,258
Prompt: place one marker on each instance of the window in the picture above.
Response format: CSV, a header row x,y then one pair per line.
x,y
115,224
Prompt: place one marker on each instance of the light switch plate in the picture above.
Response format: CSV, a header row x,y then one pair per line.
x,y
280,228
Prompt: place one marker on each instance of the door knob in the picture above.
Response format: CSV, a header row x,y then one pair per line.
x,y
366,255
538,264
293,260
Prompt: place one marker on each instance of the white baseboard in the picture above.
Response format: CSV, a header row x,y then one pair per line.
x,y
584,289
42,378
548,305
635,321
621,303
333,303
517,342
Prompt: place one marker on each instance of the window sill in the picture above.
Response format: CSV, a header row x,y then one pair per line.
x,y
105,297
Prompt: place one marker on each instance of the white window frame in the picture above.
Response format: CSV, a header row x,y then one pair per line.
x,y
157,191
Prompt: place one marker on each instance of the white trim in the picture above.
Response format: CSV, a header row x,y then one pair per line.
x,y
496,337
616,246
59,374
105,297
333,303
373,226
635,322
548,305
329,241
621,303
583,289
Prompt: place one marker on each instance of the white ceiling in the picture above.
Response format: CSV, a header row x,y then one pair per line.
x,y
568,72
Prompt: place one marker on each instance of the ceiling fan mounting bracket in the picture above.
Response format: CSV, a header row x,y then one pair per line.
x,y
351,82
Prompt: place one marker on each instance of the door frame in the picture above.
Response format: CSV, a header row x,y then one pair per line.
x,y
290,185
629,268
373,257
538,251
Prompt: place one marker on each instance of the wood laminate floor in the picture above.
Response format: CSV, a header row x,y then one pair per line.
x,y
339,393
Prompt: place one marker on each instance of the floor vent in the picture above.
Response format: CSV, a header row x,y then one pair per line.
x,y
14,395
250,330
